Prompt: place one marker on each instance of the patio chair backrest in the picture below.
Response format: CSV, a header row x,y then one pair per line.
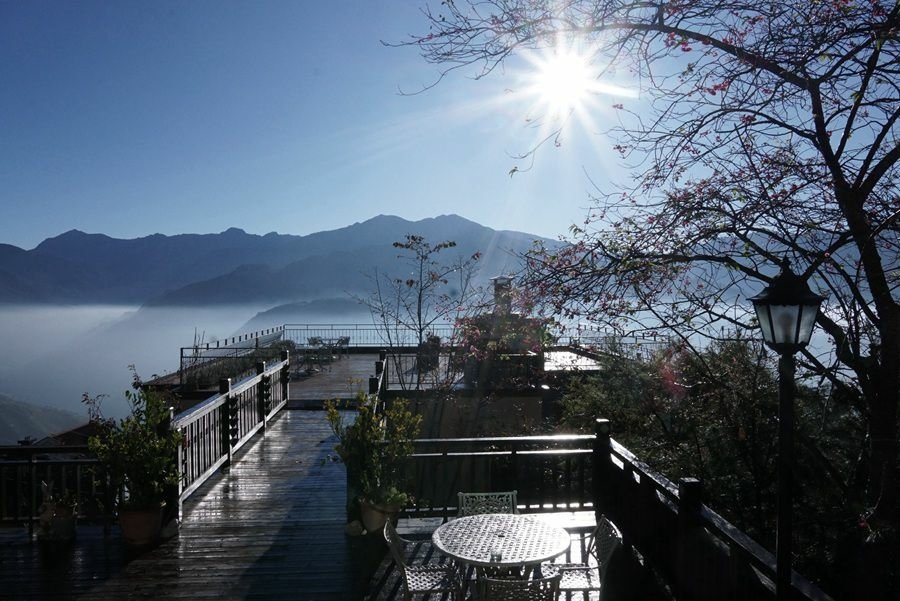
x,y
517,589
475,503
396,546
603,542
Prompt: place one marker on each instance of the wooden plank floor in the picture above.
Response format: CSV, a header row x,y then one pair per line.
x,y
337,379
270,527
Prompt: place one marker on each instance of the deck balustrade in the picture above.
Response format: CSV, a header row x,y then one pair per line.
x,y
693,550
697,553
216,428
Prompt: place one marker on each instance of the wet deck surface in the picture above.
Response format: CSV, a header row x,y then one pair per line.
x,y
270,527
339,378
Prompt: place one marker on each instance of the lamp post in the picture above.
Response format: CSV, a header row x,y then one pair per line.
x,y
786,310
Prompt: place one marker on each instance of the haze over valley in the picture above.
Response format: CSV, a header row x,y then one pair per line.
x,y
80,308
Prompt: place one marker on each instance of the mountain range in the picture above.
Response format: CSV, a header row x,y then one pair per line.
x,y
235,267
21,420
81,308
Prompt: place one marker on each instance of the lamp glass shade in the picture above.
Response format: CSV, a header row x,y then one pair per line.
x,y
786,311
786,326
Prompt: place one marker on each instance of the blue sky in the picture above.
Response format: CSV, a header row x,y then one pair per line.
x,y
132,118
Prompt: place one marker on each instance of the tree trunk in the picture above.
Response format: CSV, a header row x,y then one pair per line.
x,y
883,433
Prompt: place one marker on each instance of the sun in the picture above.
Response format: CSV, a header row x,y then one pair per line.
x,y
563,81
562,84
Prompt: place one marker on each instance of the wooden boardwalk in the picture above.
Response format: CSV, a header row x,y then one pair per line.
x,y
269,527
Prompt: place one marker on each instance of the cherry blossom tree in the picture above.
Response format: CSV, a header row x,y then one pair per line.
x,y
763,130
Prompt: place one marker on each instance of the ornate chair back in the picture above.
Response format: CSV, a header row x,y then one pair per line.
x,y
536,589
604,540
475,503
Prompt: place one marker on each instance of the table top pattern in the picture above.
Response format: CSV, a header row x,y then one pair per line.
x,y
501,539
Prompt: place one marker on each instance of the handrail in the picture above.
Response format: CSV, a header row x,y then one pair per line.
x,y
361,335
212,432
70,469
550,473
698,553
703,555
216,428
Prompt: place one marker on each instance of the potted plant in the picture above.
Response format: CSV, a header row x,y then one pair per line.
x,y
139,454
56,515
373,448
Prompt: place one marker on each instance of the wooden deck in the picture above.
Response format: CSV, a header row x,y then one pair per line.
x,y
269,527
340,378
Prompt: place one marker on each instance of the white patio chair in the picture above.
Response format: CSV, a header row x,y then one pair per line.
x,y
517,589
475,503
582,577
420,580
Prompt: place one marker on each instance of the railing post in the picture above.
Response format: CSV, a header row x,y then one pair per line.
x,y
263,393
382,359
601,467
230,408
285,376
690,493
32,498
182,463
172,493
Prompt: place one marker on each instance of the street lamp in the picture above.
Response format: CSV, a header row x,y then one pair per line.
x,y
786,310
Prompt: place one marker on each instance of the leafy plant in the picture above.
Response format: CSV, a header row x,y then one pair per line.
x,y
139,451
374,446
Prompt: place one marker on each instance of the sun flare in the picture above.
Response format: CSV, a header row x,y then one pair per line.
x,y
563,81
564,85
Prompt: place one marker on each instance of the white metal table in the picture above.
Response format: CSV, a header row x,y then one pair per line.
x,y
501,540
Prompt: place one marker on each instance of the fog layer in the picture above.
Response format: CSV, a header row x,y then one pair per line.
x,y
52,355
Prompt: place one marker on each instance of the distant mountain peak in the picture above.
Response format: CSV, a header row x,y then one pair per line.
x,y
233,266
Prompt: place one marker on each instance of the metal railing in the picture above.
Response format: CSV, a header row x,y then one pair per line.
x,y
201,368
361,335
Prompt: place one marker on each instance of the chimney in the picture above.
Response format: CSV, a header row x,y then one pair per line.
x,y
502,299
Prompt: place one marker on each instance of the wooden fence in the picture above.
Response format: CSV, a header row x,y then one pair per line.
x,y
212,432
70,470
696,552
549,473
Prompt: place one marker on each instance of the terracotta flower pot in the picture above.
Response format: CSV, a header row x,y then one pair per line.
x,y
140,526
374,517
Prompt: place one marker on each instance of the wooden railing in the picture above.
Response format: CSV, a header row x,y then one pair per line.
x,y
71,470
216,428
212,432
700,554
696,552
549,473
